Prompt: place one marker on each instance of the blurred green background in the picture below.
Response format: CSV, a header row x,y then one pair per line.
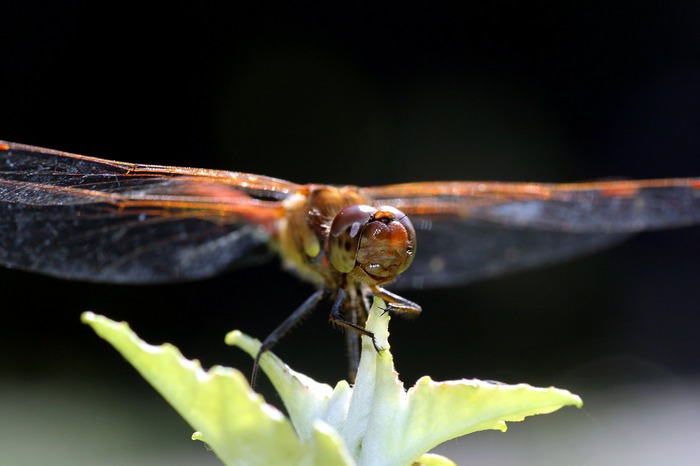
x,y
368,94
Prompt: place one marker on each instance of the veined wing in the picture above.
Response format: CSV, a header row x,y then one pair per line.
x,y
472,230
86,218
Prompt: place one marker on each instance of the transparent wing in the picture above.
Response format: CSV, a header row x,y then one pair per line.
x,y
80,217
471,230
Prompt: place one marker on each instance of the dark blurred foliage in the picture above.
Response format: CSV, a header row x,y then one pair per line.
x,y
369,94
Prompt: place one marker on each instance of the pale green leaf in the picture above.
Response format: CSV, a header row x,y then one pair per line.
x,y
374,422
233,420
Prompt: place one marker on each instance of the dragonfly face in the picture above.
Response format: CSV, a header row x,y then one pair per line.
x,y
86,218
371,245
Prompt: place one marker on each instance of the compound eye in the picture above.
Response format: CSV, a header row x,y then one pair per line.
x,y
345,234
404,238
388,245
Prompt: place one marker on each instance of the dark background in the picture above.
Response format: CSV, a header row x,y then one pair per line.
x,y
372,95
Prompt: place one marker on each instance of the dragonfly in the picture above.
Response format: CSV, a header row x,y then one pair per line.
x,y
86,218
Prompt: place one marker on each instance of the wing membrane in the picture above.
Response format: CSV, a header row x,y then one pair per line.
x,y
471,230
80,217
51,168
600,207
451,253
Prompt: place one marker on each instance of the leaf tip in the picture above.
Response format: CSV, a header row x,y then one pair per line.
x,y
577,401
241,340
233,337
431,459
87,317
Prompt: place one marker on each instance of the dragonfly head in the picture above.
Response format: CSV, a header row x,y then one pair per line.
x,y
374,245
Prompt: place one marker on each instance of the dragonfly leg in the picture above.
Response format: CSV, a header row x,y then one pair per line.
x,y
397,304
352,348
289,323
336,318
352,339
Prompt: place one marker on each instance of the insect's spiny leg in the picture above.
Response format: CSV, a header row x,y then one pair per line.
x,y
290,322
337,319
397,304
